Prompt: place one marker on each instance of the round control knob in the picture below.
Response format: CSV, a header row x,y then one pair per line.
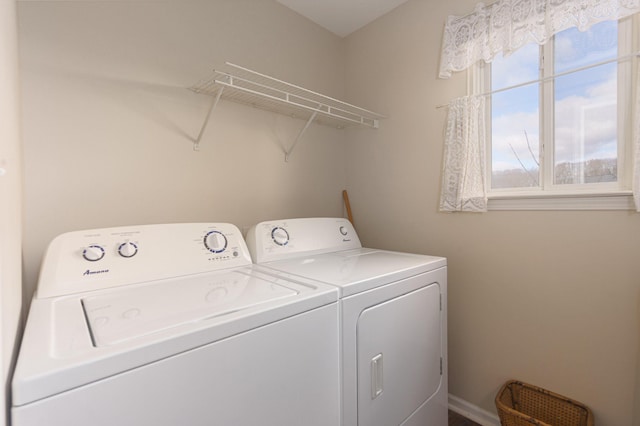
x,y
280,236
215,241
127,249
344,231
93,253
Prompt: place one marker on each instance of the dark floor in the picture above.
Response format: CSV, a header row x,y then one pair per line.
x,y
456,419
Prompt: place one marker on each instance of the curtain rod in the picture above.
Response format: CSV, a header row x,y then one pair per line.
x,y
551,77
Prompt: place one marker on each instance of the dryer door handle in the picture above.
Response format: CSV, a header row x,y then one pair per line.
x,y
376,376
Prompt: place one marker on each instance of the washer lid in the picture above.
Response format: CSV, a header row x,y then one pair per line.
x,y
359,269
74,340
132,312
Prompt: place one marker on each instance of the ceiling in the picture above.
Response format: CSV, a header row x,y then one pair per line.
x,y
342,17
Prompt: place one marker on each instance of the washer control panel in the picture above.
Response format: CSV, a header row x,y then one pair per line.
x,y
289,238
101,258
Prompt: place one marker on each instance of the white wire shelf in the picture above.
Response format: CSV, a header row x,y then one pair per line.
x,y
261,91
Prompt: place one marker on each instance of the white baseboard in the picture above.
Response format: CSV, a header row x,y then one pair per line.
x,y
473,412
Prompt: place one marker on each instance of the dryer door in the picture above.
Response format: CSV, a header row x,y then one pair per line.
x,y
399,352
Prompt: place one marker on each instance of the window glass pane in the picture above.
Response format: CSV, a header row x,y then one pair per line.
x,y
520,67
515,121
515,138
585,126
575,49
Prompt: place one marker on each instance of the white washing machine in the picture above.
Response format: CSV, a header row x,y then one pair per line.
x,y
172,325
393,314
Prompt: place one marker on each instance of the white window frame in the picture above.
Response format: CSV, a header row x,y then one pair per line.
x,y
603,196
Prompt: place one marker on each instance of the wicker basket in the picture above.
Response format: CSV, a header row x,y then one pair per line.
x,y
521,404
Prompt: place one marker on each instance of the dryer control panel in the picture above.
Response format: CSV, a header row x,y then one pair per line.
x,y
101,258
290,238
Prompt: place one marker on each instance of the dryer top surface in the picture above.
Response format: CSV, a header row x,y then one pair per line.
x,y
357,270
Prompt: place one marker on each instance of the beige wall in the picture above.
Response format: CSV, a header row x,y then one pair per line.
x,y
108,123
10,197
545,297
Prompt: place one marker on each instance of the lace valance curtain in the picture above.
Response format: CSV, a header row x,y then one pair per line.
x,y
506,25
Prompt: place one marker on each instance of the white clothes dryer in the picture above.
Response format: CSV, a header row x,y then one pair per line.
x,y
171,325
393,317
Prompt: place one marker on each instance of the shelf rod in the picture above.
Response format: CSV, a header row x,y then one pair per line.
x,y
196,144
304,129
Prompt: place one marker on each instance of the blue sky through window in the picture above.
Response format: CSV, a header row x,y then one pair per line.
x,y
515,116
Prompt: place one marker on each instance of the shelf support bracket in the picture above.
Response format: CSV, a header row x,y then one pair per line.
x,y
214,102
304,129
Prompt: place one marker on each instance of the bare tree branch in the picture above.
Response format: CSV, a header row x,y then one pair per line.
x,y
533,156
533,178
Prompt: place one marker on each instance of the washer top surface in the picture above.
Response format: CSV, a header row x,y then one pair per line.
x,y
179,287
328,250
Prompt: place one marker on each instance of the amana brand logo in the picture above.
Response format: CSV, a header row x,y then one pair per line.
x,y
90,272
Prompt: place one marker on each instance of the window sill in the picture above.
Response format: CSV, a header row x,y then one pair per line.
x,y
622,200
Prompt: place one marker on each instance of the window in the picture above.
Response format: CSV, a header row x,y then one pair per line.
x,y
559,116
